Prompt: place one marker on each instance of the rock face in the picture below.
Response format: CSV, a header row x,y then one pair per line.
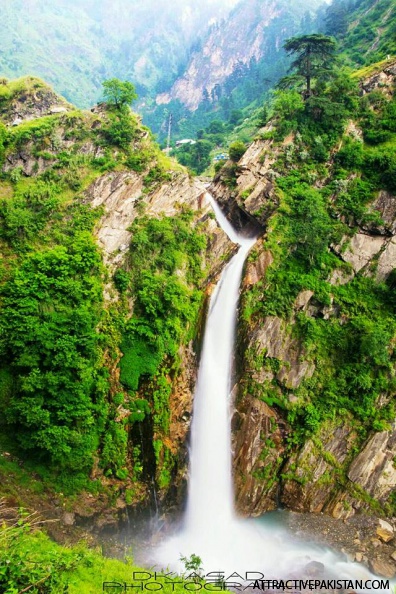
x,y
121,195
334,472
253,192
36,100
310,478
383,80
259,447
272,340
385,531
361,250
254,30
374,468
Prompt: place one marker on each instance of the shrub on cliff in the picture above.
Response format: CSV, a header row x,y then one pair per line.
x,y
236,150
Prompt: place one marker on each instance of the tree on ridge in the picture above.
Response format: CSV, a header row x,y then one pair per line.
x,y
314,56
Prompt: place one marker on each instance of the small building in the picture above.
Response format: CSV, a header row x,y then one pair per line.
x,y
185,141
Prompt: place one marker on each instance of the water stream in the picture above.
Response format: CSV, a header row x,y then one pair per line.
x,y
211,528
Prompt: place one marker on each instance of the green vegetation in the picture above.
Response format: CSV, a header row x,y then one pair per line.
x,y
118,93
163,275
366,33
313,57
113,43
323,199
31,562
364,30
166,304
59,339
236,150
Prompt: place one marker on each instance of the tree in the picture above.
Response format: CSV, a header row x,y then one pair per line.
x,y
310,228
236,150
118,93
314,56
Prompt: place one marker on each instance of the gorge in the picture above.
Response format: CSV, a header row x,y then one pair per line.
x,y
116,280
212,531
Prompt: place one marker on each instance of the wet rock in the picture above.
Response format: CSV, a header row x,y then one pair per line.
x,y
315,568
255,178
256,270
258,447
382,567
106,520
373,468
273,339
68,519
385,531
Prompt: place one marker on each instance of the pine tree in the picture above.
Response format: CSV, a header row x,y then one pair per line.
x,y
314,55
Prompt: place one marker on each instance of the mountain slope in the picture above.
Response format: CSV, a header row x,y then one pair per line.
x,y
239,60
76,45
254,31
315,411
366,33
106,249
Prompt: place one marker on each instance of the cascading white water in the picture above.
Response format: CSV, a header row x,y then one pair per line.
x,y
211,529
210,493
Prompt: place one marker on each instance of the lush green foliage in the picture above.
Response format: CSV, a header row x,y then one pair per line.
x,y
163,275
314,54
236,150
30,561
50,303
165,302
58,341
348,331
118,93
196,156
366,29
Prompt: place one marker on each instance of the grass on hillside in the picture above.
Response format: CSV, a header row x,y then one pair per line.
x,y
31,562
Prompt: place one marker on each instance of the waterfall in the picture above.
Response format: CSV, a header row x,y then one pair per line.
x,y
210,492
211,528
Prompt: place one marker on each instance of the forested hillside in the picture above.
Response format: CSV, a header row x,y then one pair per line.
x,y
103,259
318,317
75,45
363,30
239,61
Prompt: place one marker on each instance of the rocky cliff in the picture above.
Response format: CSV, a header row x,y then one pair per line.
x,y
285,452
71,185
253,31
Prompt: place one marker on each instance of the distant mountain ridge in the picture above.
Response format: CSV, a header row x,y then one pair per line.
x,y
255,30
76,44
